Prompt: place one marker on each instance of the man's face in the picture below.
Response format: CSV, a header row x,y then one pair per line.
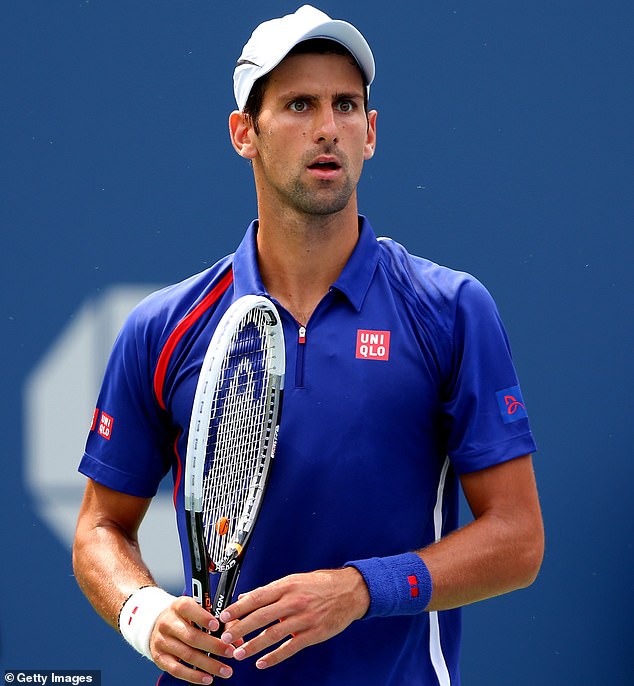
x,y
314,134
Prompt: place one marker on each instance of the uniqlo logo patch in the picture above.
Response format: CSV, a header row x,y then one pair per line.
x,y
105,426
373,345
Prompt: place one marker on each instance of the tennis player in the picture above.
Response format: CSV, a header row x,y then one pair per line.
x,y
400,390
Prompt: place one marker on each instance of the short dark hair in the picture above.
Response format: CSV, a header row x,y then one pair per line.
x,y
315,46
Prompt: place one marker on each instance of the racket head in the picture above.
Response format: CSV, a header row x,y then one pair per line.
x,y
233,434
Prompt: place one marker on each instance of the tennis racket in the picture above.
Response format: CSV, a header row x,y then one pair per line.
x,y
231,444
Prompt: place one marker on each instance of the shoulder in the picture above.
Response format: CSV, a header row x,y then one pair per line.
x,y
438,292
157,315
447,306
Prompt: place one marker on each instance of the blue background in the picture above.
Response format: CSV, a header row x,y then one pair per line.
x,y
505,149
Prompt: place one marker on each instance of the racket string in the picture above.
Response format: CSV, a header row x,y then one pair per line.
x,y
236,442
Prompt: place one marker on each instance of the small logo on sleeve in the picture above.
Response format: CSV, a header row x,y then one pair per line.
x,y
511,404
373,345
105,426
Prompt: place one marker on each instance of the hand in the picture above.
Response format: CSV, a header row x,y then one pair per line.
x,y
304,609
175,639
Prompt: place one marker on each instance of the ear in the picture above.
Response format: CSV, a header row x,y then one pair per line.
x,y
370,142
242,135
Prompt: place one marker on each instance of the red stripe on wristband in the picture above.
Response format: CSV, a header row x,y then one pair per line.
x,y
398,585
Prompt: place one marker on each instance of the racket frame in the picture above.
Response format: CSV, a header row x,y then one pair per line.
x,y
202,409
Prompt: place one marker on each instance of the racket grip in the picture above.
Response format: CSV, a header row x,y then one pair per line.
x,y
224,595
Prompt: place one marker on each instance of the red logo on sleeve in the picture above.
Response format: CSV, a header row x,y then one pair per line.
x,y
373,345
105,426
95,415
511,404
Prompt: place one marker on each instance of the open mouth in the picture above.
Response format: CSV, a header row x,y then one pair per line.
x,y
324,166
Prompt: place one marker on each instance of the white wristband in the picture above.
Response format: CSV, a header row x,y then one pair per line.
x,y
139,614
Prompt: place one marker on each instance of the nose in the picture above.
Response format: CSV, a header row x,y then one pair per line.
x,y
326,125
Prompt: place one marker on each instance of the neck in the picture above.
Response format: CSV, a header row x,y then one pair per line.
x,y
301,256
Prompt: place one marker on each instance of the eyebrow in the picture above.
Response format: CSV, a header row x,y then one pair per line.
x,y
348,96
307,95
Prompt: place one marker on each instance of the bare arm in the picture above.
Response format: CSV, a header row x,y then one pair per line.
x,y
106,556
109,567
499,551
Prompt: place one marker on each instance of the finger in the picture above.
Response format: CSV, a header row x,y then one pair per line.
x,y
259,619
172,666
175,640
206,643
236,642
171,626
251,601
190,610
263,606
254,611
283,652
188,663
265,639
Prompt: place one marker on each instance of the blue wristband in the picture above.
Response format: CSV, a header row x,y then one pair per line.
x,y
398,585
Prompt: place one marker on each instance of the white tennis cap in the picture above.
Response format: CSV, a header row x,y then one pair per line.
x,y
273,40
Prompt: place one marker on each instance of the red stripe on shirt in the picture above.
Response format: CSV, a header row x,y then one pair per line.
x,y
181,328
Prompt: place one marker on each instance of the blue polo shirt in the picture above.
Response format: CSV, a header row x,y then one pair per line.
x,y
401,381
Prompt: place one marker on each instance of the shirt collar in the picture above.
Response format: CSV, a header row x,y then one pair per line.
x,y
356,276
246,272
353,281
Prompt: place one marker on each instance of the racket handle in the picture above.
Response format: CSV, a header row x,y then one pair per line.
x,y
224,595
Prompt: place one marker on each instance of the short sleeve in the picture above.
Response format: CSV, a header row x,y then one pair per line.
x,y
128,445
483,410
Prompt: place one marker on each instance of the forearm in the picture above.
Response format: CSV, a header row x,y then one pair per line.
x,y
486,558
501,549
106,556
108,567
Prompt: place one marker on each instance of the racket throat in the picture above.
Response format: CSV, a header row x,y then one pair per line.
x,y
232,553
199,558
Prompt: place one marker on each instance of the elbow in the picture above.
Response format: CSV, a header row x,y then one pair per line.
x,y
530,571
77,558
530,556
